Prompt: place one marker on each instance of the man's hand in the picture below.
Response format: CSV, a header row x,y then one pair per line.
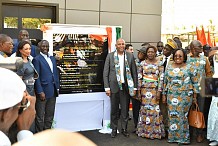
x,y
42,96
26,118
108,93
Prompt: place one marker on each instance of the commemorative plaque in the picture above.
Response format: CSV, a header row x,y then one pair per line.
x,y
80,62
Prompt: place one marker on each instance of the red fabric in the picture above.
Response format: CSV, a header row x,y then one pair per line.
x,y
198,33
214,42
109,34
203,37
98,37
209,40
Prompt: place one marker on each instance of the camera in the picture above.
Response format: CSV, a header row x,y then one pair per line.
x,y
12,63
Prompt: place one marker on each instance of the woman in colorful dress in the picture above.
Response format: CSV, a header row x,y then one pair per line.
x,y
150,76
180,84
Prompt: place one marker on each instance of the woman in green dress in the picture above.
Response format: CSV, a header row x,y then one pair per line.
x,y
180,84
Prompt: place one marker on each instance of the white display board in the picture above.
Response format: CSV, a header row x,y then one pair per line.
x,y
81,111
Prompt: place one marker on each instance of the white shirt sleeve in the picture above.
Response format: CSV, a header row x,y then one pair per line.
x,y
23,134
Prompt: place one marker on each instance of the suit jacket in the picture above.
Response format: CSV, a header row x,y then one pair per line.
x,y
47,82
109,74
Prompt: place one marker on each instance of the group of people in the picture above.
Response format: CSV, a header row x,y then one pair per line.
x,y
163,83
40,76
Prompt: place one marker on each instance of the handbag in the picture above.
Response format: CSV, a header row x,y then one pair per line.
x,y
195,117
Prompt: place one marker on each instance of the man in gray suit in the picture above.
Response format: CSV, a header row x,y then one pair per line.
x,y
120,82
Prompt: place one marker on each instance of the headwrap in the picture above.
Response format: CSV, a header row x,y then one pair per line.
x,y
172,43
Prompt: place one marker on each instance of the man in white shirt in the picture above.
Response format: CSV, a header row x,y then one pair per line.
x,y
13,98
120,82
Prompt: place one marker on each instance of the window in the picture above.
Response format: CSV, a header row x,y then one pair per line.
x,y
10,22
34,23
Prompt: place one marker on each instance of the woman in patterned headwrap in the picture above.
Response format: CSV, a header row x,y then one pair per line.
x,y
150,124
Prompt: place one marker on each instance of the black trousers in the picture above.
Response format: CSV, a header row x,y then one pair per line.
x,y
121,98
135,110
44,113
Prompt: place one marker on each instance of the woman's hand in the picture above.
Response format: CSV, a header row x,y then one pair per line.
x,y
164,99
194,100
158,95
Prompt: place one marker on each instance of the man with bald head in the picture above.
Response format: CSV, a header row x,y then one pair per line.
x,y
24,35
120,82
6,45
202,66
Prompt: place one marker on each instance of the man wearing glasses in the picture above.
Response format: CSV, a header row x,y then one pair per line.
x,y
6,46
13,107
202,66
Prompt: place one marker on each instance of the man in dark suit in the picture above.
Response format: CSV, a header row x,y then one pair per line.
x,y
120,82
47,86
24,35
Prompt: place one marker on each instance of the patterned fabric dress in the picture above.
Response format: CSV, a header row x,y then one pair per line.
x,y
150,123
179,85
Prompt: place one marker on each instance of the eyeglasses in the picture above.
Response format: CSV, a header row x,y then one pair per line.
x,y
9,43
159,46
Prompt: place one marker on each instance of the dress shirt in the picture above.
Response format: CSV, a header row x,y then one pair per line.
x,y
121,62
48,59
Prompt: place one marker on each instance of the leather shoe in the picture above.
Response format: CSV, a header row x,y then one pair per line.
x,y
113,133
125,133
200,138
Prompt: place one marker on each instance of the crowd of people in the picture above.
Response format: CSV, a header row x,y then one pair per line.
x,y
162,83
37,95
168,83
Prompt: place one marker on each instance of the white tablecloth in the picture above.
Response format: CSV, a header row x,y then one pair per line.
x,y
82,111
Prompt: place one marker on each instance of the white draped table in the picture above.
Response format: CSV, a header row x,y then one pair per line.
x,y
82,111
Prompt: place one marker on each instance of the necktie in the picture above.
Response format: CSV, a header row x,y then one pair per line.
x,y
165,63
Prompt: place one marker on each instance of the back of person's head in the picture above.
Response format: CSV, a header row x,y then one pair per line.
x,y
127,46
11,89
206,47
146,44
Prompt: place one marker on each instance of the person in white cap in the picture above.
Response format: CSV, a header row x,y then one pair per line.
x,y
12,95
